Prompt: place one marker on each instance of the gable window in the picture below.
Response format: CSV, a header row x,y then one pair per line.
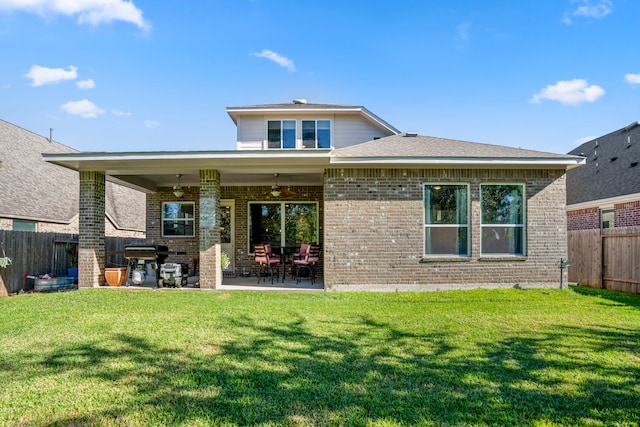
x,y
282,223
281,134
178,219
21,225
446,219
502,219
316,134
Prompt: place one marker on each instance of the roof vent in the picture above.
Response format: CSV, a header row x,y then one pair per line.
x,y
300,101
411,134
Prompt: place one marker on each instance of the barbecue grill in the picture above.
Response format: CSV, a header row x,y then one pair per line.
x,y
145,253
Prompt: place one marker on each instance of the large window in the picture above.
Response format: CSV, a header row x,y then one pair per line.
x,y
282,223
502,216
178,219
446,219
316,134
281,133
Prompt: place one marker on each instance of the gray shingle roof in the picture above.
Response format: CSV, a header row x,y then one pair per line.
x,y
609,171
33,189
404,146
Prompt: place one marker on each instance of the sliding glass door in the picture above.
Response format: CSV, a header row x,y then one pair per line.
x,y
282,223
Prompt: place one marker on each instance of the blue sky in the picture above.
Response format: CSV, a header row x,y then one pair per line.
x,y
114,75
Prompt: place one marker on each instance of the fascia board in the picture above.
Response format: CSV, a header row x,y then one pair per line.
x,y
459,161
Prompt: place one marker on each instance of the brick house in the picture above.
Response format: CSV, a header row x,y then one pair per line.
x,y
38,196
605,192
391,210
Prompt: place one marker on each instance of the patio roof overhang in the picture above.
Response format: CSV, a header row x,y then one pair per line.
x,y
146,171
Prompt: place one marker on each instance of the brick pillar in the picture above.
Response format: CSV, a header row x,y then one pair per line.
x,y
91,252
210,270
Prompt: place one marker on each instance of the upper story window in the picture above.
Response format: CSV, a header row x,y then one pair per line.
x,y
316,134
281,133
178,219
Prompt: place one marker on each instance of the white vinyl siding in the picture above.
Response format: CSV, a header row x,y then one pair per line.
x,y
250,133
353,130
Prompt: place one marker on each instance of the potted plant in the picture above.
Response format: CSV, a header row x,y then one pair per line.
x,y
5,261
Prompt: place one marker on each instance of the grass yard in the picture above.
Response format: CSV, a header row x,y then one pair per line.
x,y
486,357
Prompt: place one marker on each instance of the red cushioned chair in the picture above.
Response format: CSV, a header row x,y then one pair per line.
x,y
266,261
308,262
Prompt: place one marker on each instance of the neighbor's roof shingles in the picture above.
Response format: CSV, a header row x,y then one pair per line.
x,y
33,189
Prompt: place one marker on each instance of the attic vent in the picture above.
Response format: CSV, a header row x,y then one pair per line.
x,y
300,101
411,134
633,165
613,159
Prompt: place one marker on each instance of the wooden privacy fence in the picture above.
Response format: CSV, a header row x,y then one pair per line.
x,y
608,260
46,253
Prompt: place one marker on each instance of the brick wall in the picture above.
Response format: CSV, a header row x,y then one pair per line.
x,y
73,227
242,196
91,246
583,219
374,231
627,214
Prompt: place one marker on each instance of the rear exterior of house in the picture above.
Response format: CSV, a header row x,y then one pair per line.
x,y
605,192
390,210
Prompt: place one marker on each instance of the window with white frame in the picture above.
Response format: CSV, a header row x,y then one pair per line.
x,y
316,134
502,219
282,223
281,134
446,219
178,219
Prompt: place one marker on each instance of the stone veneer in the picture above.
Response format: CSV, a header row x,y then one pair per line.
x,y
374,231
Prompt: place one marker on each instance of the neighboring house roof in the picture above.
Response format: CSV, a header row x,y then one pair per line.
x,y
35,190
612,170
414,148
303,106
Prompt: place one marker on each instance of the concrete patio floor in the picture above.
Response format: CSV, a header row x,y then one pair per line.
x,y
236,283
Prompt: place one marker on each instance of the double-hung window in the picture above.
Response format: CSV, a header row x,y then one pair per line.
x,y
446,219
178,219
281,134
316,134
502,219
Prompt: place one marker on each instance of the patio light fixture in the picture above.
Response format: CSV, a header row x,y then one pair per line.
x,y
177,189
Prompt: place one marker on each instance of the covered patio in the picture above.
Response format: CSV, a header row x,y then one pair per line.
x,y
214,195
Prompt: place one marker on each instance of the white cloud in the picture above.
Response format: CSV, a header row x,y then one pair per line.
x,y
570,92
85,109
597,9
86,84
93,12
282,61
151,124
119,113
634,79
43,76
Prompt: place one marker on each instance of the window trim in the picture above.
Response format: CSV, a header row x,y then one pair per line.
x,y
281,121
282,204
315,131
163,219
425,225
523,226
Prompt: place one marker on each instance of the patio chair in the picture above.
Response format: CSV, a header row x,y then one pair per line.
x,y
265,261
308,263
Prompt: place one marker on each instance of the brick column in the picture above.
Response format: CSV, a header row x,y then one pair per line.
x,y
210,270
91,249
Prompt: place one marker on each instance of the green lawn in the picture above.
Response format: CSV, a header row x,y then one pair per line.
x,y
488,357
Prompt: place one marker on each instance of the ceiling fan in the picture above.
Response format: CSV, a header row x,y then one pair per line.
x,y
277,191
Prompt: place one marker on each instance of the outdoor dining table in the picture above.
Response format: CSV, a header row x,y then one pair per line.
x,y
287,253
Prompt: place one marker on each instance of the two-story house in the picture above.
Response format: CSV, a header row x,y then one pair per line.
x,y
390,210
